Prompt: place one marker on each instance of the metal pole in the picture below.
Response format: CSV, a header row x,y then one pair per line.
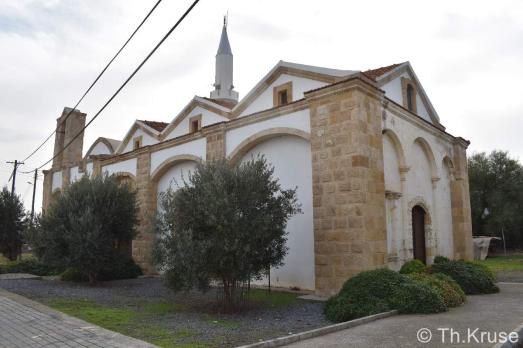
x,y
34,193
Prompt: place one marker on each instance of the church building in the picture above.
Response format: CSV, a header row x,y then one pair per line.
x,y
379,179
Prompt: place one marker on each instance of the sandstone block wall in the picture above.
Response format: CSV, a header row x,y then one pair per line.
x,y
348,183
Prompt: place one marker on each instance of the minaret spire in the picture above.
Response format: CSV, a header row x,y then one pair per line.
x,y
223,86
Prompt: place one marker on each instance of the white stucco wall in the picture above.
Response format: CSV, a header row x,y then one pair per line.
x,y
146,140
417,187
298,120
265,99
208,118
444,211
100,149
299,263
393,90
89,168
127,166
391,165
174,177
74,174
57,181
196,148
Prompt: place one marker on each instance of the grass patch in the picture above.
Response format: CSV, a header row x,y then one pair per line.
x,y
161,307
129,321
110,318
504,263
273,298
211,320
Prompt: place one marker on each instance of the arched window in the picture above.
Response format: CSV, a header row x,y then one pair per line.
x,y
410,97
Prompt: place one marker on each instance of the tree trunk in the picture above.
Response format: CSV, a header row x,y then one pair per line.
x,y
92,278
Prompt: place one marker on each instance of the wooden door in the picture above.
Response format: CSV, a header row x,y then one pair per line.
x,y
418,233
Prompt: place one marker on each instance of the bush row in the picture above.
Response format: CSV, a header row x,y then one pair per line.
x,y
121,268
415,289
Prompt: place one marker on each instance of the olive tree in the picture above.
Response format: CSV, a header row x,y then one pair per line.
x,y
87,225
12,224
225,224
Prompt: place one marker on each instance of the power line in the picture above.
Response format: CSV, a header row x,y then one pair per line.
x,y
96,80
125,83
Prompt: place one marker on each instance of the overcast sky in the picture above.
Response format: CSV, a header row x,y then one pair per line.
x,y
467,54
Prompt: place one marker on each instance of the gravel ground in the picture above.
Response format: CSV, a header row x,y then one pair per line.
x,y
200,315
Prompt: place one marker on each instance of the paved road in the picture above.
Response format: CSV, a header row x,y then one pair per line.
x,y
25,323
490,313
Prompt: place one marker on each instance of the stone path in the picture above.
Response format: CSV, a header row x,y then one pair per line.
x,y
488,313
25,323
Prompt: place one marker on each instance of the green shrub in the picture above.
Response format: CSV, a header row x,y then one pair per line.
x,y
31,266
485,269
377,283
416,297
122,268
413,266
343,308
440,259
364,294
472,279
445,286
73,275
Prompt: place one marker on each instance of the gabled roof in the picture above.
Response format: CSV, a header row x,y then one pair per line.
x,y
158,126
308,71
376,73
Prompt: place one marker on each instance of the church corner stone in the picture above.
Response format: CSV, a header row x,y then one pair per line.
x,y
143,242
348,182
460,202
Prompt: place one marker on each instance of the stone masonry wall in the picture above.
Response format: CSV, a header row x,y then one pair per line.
x,y
215,144
146,196
460,201
348,183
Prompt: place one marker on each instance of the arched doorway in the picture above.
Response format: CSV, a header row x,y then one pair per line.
x,y
418,233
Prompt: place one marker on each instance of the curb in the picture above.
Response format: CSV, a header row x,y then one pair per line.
x,y
281,341
519,343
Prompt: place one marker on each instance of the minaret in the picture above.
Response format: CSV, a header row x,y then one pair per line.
x,y
223,87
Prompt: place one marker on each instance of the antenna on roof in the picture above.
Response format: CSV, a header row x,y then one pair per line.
x,y
226,19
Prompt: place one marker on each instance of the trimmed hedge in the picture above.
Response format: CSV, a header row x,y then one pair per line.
x,y
31,266
378,291
416,297
413,266
122,268
444,285
471,277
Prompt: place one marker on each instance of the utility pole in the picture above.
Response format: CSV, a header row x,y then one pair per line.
x,y
34,193
13,176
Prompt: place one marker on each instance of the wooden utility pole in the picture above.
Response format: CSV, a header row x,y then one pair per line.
x,y
34,193
13,176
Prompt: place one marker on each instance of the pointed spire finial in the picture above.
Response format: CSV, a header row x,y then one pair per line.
x,y
225,19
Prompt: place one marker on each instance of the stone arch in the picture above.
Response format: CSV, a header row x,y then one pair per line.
x,y
126,177
249,143
169,162
103,141
397,145
430,156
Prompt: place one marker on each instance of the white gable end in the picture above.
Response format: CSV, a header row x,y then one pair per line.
x,y
265,100
208,118
393,91
99,149
146,140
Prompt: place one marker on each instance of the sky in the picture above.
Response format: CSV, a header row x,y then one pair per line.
x,y
468,56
